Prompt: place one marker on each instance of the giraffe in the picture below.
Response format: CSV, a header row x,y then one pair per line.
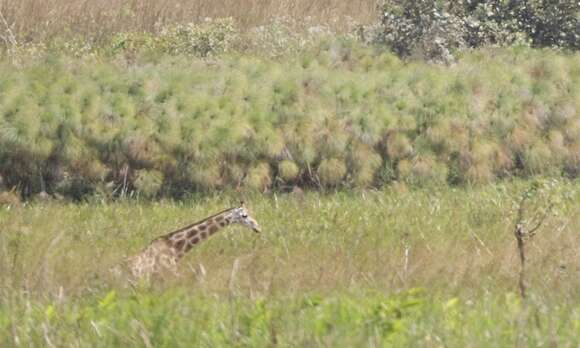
x,y
163,253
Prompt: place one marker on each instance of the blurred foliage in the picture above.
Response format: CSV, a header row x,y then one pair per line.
x,y
178,319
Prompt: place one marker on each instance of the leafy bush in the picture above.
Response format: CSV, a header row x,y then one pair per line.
x,y
434,29
421,27
206,39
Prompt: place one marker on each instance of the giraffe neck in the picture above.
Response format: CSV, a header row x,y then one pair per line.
x,y
184,239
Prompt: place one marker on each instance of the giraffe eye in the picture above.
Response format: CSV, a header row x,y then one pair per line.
x,y
244,215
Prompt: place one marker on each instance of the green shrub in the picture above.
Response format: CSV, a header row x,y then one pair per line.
x,y
331,172
288,170
398,146
479,174
148,182
81,127
364,163
423,170
259,177
209,38
204,176
538,159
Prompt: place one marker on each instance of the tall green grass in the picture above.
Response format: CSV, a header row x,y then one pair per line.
x,y
182,319
427,267
337,115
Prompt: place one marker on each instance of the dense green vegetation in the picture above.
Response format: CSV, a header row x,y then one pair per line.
x,y
159,103
180,318
415,129
340,114
423,267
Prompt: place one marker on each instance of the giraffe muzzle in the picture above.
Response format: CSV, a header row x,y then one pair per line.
x,y
253,224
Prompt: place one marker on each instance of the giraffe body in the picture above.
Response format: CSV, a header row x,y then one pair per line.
x,y
156,258
161,256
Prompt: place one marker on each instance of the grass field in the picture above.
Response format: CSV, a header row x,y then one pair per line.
x,y
430,267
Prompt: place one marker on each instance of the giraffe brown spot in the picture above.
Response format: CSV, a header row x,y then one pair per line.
x,y
203,235
179,244
219,218
193,232
222,223
194,240
213,229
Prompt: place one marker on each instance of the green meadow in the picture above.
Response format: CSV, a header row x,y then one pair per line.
x,y
396,267
400,172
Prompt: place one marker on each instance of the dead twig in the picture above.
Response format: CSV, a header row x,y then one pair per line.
x,y
407,249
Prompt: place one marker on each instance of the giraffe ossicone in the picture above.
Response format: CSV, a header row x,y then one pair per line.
x,y
163,253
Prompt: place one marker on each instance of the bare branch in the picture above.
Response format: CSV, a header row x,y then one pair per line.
x,y
520,216
522,234
532,232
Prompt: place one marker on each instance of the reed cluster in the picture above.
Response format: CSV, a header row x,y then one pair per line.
x,y
341,114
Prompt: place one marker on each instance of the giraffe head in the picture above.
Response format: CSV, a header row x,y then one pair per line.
x,y
241,216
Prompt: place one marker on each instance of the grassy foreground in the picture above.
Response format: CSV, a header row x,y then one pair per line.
x,y
387,268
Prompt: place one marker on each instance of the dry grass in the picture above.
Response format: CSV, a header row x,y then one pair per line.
x,y
36,20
